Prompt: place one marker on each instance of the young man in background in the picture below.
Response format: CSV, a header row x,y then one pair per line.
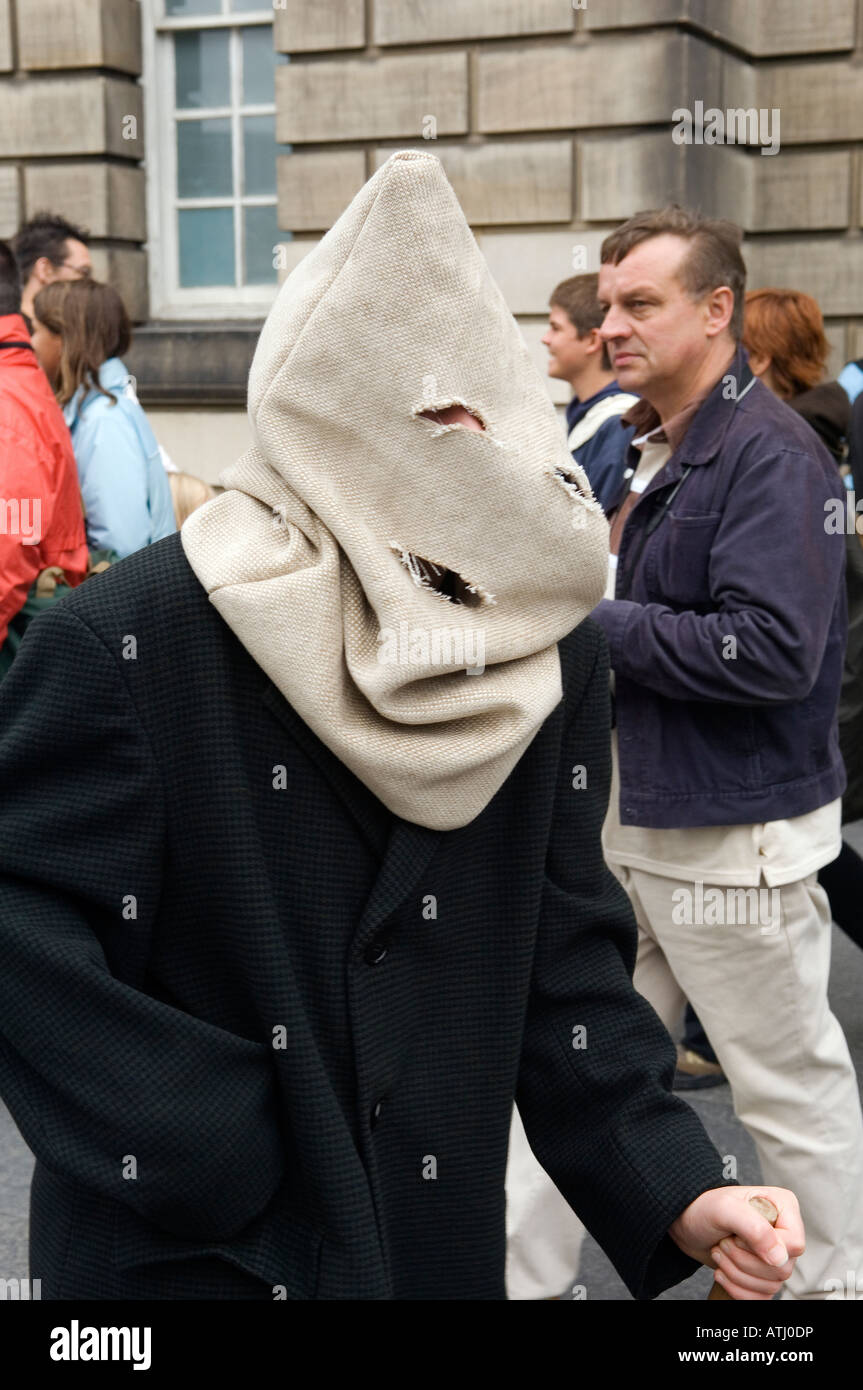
x,y
577,354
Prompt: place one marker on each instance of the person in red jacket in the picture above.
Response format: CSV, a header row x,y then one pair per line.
x,y
41,516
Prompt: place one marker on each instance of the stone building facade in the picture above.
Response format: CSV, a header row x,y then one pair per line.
x,y
554,119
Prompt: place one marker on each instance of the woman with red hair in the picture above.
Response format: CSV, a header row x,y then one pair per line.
x,y
784,335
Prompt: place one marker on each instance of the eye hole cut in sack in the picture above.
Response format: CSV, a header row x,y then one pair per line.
x,y
453,415
572,483
444,582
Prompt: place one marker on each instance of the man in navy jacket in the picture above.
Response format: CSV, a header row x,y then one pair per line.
x,y
725,617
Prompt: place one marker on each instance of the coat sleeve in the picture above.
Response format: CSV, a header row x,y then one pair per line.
x,y
94,1071
775,569
594,1086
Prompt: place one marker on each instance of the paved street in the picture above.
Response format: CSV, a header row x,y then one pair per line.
x,y
596,1274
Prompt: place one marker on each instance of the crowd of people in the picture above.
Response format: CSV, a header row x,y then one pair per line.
x,y
341,1023
75,441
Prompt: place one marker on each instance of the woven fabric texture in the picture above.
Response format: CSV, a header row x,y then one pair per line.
x,y
307,556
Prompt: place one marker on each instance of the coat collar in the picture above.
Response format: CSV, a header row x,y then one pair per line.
x,y
706,433
404,852
577,409
15,341
705,430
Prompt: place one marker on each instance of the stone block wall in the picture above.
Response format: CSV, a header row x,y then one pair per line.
x,y
71,128
554,120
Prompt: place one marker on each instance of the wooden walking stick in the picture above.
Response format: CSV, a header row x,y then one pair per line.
x,y
765,1208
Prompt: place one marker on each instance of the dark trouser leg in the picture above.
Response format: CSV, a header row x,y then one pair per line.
x,y
694,1037
842,881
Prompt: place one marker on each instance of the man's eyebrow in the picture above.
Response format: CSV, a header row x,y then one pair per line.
x,y
640,292
636,292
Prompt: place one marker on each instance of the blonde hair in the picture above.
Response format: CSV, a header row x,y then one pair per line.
x,y
188,493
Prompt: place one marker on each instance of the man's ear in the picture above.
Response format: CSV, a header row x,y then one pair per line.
x,y
596,344
43,269
720,308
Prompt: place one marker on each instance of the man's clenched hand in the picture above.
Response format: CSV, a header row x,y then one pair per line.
x,y
751,1258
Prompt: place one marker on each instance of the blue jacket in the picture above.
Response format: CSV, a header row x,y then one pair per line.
x,y
851,378
603,455
728,629
125,489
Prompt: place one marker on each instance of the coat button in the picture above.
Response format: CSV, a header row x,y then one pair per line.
x,y
375,1115
376,950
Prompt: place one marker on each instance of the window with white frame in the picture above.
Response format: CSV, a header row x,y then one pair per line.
x,y
211,157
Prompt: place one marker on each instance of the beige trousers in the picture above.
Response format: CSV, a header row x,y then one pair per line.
x,y
544,1234
760,989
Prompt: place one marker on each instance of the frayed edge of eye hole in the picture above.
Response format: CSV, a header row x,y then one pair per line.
x,y
574,488
427,412
469,595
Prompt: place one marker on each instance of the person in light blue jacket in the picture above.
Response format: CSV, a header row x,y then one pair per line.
x,y
81,330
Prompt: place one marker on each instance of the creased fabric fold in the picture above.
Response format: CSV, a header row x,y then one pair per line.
x,y
304,554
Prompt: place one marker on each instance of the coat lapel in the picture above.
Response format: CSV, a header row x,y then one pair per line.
x,y
408,848
342,781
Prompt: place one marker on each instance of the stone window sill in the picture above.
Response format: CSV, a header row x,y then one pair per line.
x,y
192,363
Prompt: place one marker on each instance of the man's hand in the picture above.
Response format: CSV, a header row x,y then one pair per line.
x,y
751,1258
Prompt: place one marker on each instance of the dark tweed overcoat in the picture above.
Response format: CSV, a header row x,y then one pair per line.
x,y
263,1036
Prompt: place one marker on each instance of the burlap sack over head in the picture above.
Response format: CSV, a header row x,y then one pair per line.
x,y
403,581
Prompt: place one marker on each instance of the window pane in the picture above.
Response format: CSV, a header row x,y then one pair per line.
x,y
259,154
203,75
261,232
193,6
204,158
259,65
246,6
206,246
